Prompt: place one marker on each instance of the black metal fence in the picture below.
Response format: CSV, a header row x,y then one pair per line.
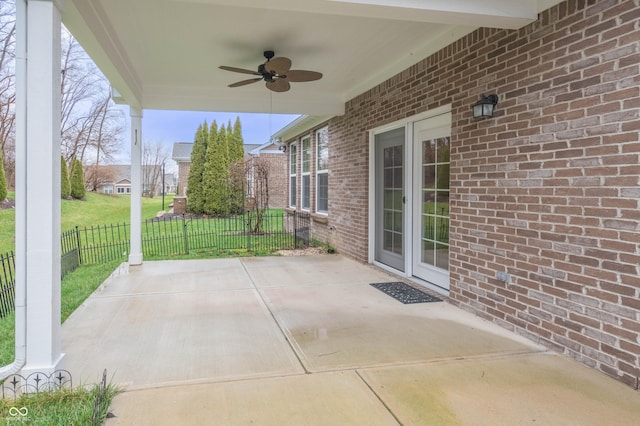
x,y
171,236
7,283
182,235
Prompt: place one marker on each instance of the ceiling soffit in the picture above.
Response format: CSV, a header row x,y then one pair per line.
x,y
164,54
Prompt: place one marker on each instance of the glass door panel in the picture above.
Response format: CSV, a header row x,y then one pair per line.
x,y
431,145
389,154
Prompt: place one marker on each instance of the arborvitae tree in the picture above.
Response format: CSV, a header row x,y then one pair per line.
x,y
65,188
214,194
236,167
195,194
77,180
208,184
3,181
212,188
217,173
236,144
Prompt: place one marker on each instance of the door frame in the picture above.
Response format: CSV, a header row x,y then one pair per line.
x,y
421,270
407,123
389,258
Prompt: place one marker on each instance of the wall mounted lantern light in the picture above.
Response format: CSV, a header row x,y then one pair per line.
x,y
484,107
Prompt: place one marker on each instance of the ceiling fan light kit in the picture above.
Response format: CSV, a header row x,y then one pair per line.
x,y
276,72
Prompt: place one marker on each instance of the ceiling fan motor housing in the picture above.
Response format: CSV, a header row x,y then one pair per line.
x,y
267,75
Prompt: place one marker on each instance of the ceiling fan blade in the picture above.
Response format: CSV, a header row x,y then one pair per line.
x,y
240,70
278,65
245,82
278,85
298,76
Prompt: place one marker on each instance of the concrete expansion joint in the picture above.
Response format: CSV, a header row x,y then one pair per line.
x,y
379,398
266,306
128,387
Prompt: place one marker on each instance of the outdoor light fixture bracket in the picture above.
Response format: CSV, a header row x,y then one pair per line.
x,y
485,106
278,142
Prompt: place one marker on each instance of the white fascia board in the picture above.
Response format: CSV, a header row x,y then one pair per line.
x,y
299,126
487,13
508,14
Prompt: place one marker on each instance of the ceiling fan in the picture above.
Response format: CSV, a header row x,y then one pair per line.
x,y
276,72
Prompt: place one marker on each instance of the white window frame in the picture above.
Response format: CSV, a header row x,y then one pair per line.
x,y
293,174
322,135
305,192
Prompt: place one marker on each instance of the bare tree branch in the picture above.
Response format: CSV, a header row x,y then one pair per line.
x,y
154,155
91,124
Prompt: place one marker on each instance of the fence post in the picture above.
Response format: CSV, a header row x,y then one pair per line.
x,y
78,242
184,232
295,229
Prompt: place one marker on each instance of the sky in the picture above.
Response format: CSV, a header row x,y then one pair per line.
x,y
167,127
181,126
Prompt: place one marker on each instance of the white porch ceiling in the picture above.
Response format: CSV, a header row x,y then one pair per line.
x,y
164,54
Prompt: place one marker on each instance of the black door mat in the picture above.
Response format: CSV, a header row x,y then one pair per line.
x,y
405,293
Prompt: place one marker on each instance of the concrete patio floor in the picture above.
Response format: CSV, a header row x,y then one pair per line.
x,y
307,341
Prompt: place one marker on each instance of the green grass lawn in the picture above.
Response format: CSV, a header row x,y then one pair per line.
x,y
75,288
64,407
76,406
98,209
68,406
7,227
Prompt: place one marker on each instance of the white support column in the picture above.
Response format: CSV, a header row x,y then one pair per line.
x,y
39,214
135,257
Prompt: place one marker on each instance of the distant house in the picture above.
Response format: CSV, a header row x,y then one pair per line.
x,y
170,183
182,156
116,179
267,153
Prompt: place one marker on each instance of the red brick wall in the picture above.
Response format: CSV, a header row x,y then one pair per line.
x,y
547,190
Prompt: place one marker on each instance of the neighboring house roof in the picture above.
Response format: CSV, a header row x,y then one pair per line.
x,y
265,148
120,172
111,174
123,182
251,147
182,151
